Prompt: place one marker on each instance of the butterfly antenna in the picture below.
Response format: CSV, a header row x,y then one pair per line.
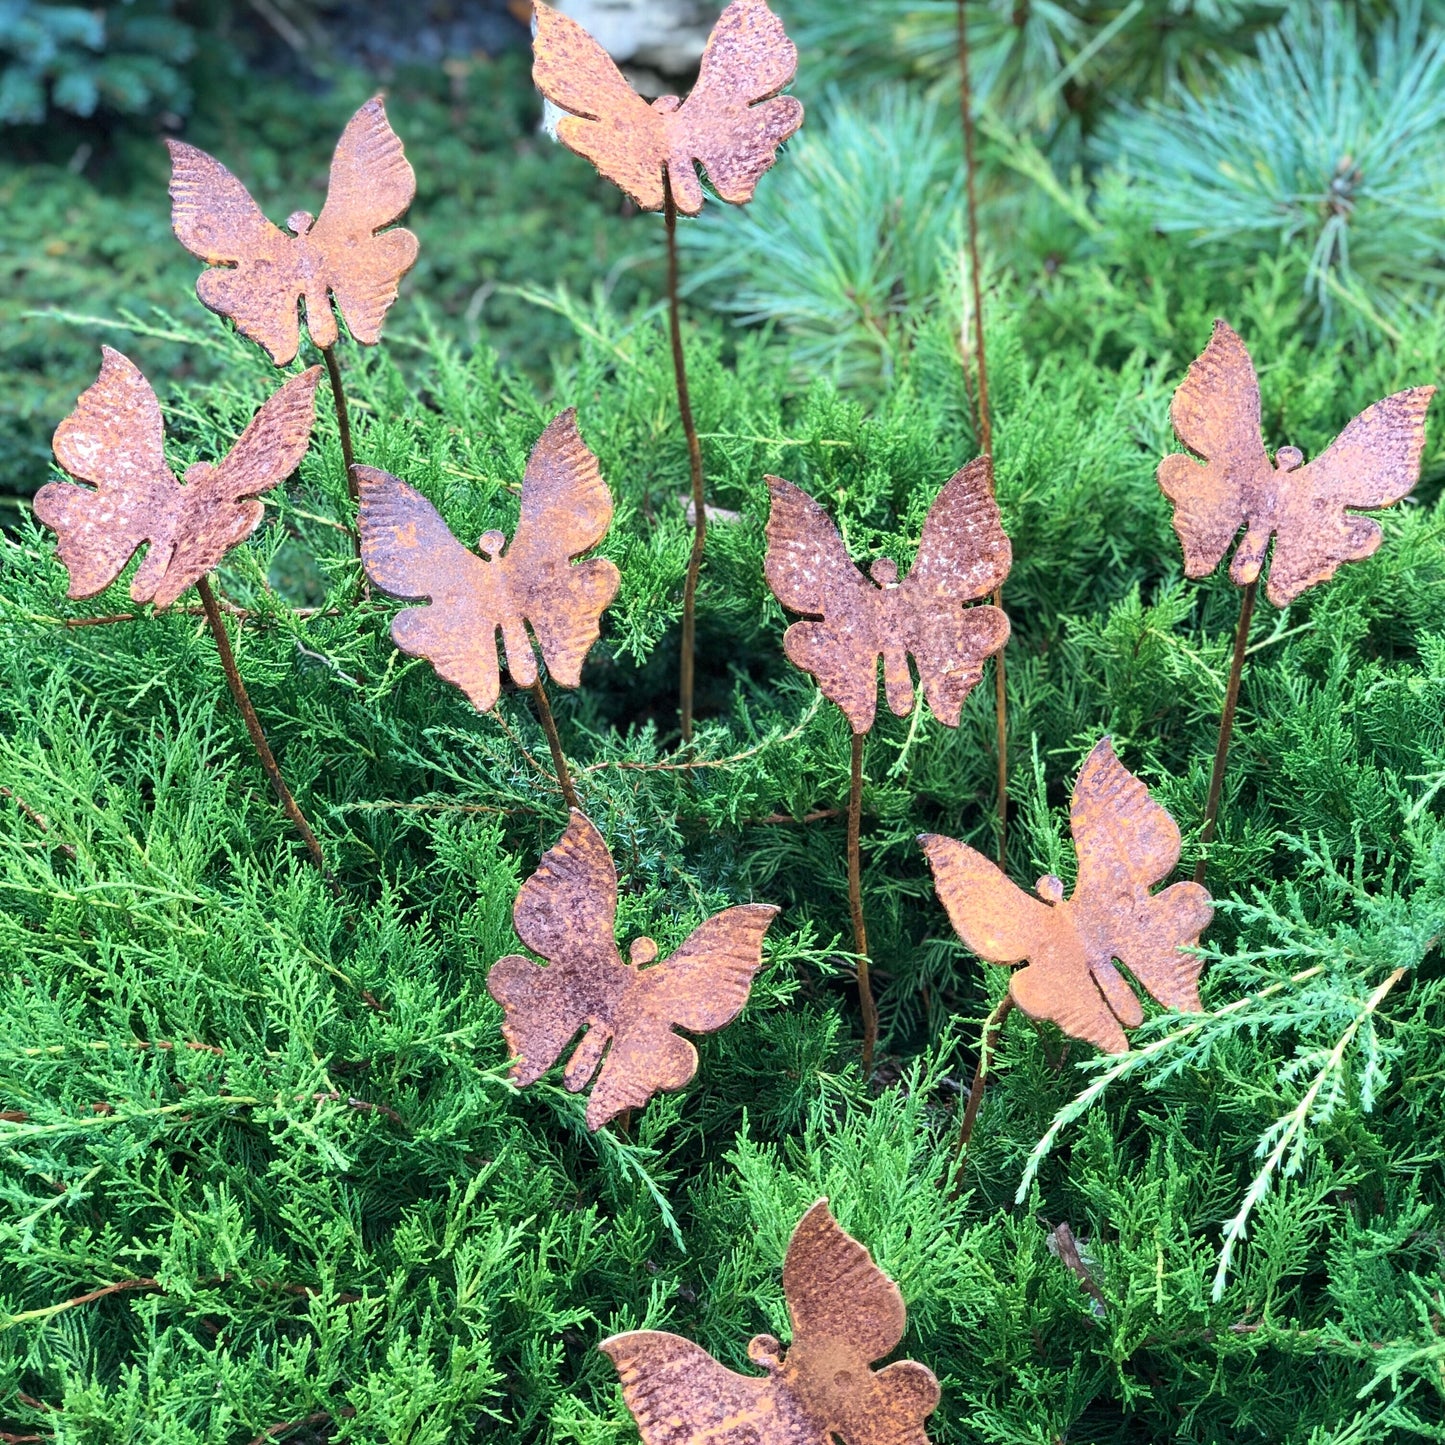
x,y
985,423
694,457
258,736
1226,726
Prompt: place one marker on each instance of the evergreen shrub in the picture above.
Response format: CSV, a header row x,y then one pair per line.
x,y
262,1173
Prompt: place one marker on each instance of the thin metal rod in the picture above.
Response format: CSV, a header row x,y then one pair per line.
x,y
987,1047
855,904
253,726
343,420
985,420
1226,726
554,741
694,458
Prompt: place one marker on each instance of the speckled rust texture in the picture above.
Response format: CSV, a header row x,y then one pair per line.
x,y
566,913
846,1315
731,124
1126,843
261,272
410,552
1305,508
963,556
113,442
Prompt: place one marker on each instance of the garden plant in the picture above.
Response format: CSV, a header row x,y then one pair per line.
x,y
284,1155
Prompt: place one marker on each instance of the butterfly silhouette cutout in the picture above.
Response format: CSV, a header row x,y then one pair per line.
x,y
963,555
410,552
113,441
566,913
846,1314
1126,843
261,272
732,123
1305,507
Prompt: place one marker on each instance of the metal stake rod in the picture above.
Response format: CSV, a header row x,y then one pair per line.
x,y
1226,726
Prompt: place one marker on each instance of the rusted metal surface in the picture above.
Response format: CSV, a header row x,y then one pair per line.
x,y
1126,843
1306,508
963,555
846,1315
113,442
731,124
261,272
409,551
566,913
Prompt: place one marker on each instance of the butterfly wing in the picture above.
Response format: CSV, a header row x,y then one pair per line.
x,y
680,1395
964,554
410,552
565,912
608,122
735,119
371,185
256,281
1003,924
846,1314
113,441
216,510
566,510
1216,415
1374,462
809,571
702,987
1126,843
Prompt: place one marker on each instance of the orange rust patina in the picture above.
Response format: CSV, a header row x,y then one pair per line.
x,y
846,1314
963,556
566,912
410,552
1126,843
731,124
261,272
1305,508
113,441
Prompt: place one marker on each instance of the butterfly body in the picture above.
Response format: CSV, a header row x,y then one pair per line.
x,y
409,551
846,1314
856,620
627,1012
259,273
1126,843
731,124
114,442
1306,509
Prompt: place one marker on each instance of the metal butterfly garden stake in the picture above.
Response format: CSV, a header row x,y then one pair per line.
x,y
846,1314
852,622
113,443
566,913
1309,510
982,415
731,124
259,273
410,552
1126,843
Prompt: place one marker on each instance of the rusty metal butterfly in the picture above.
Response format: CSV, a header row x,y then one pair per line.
x,y
261,272
1305,508
410,552
1126,843
963,555
113,441
731,124
846,1314
566,913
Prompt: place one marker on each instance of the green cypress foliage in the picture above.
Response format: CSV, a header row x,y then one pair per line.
x,y
260,1163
